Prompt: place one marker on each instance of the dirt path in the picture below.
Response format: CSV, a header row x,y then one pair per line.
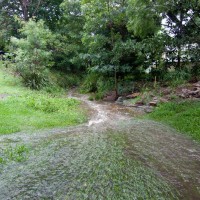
x,y
172,155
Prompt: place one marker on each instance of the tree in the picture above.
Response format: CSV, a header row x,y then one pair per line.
x,y
33,55
70,30
143,18
26,9
110,46
178,19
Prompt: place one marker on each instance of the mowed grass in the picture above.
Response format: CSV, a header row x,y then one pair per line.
x,y
183,116
24,110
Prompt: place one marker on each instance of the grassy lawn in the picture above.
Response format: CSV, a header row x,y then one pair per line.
x,y
183,116
24,109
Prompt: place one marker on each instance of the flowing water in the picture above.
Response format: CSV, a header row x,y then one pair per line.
x,y
112,156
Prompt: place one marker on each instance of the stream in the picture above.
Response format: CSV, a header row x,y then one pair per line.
x,y
81,162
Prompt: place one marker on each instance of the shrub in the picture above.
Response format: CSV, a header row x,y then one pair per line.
x,y
33,56
177,77
98,85
90,83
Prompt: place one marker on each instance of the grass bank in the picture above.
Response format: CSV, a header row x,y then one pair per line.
x,y
183,116
24,110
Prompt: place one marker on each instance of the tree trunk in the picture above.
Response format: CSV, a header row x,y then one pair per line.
x,y
25,5
116,82
179,57
25,11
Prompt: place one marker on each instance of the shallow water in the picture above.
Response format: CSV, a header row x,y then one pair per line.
x,y
61,161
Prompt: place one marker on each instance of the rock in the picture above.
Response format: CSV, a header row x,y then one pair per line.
x,y
120,100
155,99
166,91
128,103
194,92
153,103
139,103
3,96
132,96
163,100
197,95
196,84
111,96
184,93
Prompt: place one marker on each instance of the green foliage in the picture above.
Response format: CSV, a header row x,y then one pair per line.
x,y
70,30
47,10
179,30
111,49
177,77
33,57
142,18
7,23
90,83
196,71
97,84
67,80
184,116
112,38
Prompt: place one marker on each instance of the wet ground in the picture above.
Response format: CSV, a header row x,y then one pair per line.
x,y
113,156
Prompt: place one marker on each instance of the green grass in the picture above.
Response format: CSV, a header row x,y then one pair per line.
x,y
90,166
18,153
25,110
102,171
87,166
183,116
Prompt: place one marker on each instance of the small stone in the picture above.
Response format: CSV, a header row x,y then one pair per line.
x,y
120,100
112,96
166,91
132,96
155,99
163,100
196,84
153,103
128,103
139,103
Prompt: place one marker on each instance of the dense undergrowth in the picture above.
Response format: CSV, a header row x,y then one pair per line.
x,y
23,109
184,116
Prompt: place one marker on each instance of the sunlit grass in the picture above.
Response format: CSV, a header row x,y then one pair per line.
x,y
184,116
23,109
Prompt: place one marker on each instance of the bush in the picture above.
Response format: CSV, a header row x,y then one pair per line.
x,y
33,56
196,71
90,83
177,77
98,85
